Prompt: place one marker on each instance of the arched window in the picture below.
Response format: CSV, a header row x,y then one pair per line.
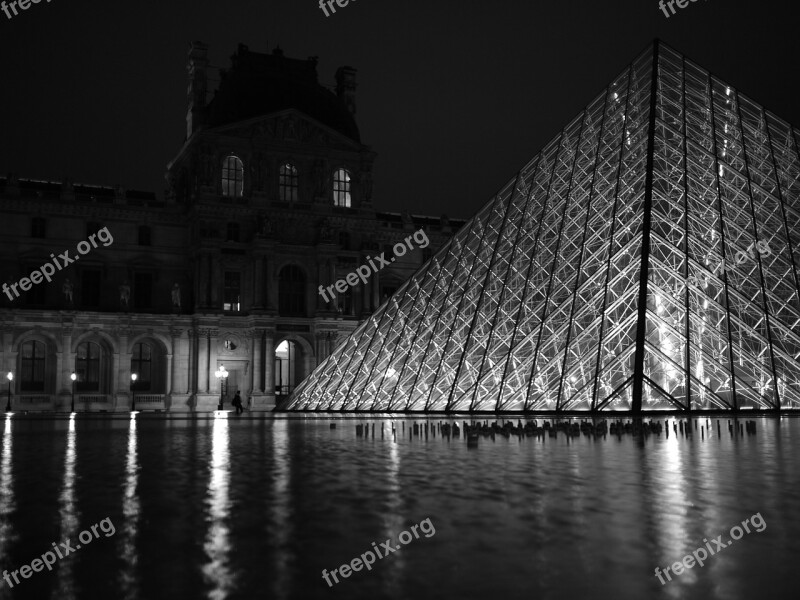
x,y
142,365
87,367
32,359
341,188
232,177
292,291
288,183
285,367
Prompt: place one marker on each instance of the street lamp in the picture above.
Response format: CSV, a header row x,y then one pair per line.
x,y
10,377
222,375
73,377
133,382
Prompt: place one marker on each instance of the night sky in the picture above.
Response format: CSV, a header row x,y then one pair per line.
x,y
454,97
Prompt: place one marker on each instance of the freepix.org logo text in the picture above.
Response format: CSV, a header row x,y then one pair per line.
x,y
364,271
11,7
46,271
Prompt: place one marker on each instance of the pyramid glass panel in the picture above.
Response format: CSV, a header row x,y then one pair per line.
x,y
646,259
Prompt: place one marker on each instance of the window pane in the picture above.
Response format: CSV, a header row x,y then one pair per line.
x,y
341,188
288,183
232,177
232,291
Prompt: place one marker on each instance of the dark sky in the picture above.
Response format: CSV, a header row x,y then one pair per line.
x,y
454,96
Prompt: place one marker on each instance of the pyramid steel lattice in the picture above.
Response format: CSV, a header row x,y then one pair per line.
x,y
646,259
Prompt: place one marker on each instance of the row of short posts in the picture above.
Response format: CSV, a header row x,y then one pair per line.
x,y
684,427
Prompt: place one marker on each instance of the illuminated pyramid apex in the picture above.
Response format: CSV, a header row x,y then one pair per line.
x,y
646,259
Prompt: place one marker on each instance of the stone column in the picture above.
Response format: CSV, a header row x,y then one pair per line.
x,y
174,362
258,361
212,362
168,386
258,282
67,361
271,283
202,360
269,368
364,298
200,281
192,382
332,279
320,282
216,283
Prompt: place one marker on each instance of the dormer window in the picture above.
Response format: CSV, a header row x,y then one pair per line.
x,y
232,177
288,183
341,188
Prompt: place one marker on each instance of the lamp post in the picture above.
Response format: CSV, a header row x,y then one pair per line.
x,y
222,375
10,377
133,400
73,377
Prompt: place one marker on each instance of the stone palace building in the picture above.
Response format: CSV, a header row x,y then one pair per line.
x,y
269,198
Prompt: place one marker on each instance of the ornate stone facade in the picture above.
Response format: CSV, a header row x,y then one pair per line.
x,y
268,199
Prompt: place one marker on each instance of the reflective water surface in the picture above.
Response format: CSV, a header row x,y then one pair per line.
x,y
247,508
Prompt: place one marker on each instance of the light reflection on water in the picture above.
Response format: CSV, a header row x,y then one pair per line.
x,y
239,508
217,545
130,513
7,505
68,519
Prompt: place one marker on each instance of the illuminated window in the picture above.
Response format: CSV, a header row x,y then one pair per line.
x,y
141,364
288,183
285,367
32,363
232,291
232,177
87,366
341,188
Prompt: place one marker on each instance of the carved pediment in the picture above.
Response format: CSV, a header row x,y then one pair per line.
x,y
289,126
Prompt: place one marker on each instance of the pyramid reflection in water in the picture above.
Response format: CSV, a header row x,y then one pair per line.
x,y
646,259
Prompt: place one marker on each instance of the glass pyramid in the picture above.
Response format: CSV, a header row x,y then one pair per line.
x,y
646,259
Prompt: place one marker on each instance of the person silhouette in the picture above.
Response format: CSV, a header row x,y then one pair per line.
x,y
237,402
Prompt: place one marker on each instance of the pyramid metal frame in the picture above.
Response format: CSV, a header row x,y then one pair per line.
x,y
646,259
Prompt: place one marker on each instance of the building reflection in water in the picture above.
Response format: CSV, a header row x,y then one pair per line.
x,y
217,545
68,513
130,511
279,509
6,492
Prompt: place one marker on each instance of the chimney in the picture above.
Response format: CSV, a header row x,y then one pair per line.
x,y
346,87
198,86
